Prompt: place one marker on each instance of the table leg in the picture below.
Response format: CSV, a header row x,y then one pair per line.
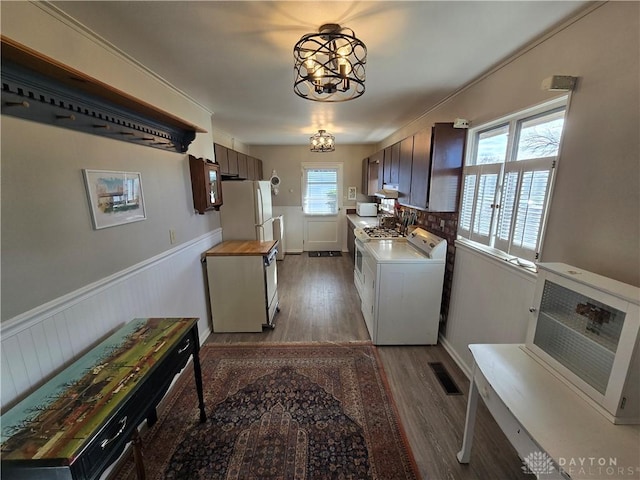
x,y
197,371
137,455
464,454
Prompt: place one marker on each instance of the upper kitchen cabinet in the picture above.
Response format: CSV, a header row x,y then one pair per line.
x,y
391,164
242,166
257,172
437,168
404,170
221,158
236,165
372,173
232,156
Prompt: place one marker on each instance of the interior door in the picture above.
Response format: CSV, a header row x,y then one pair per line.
x,y
323,231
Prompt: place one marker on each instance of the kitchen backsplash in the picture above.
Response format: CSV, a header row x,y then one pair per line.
x,y
431,222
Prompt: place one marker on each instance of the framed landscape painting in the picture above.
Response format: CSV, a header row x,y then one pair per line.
x,y
114,197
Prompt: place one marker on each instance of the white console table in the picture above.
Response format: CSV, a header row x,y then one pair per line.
x,y
541,415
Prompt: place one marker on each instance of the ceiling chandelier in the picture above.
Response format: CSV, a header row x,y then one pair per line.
x,y
329,65
322,142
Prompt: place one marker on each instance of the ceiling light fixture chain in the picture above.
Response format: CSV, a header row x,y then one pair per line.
x,y
322,142
329,65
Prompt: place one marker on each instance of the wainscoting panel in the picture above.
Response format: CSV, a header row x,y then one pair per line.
x,y
490,302
293,227
39,343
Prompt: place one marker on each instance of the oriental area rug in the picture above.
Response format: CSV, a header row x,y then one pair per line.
x,y
280,411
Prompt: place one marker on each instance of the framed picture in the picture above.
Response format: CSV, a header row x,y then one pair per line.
x,y
114,197
351,195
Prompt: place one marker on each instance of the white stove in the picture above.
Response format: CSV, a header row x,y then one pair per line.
x,y
366,234
419,246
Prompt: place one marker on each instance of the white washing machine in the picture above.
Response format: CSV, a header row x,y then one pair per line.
x,y
402,289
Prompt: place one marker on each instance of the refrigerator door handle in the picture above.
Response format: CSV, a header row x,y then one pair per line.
x,y
259,212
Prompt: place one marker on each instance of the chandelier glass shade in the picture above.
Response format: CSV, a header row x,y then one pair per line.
x,y
329,65
322,142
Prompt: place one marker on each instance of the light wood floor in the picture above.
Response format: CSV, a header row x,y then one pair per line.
x,y
319,302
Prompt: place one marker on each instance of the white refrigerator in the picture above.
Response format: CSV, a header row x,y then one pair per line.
x,y
246,212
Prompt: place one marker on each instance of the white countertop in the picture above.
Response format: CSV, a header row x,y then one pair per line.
x,y
362,222
394,251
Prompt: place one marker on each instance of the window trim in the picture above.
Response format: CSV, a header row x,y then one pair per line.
x,y
514,121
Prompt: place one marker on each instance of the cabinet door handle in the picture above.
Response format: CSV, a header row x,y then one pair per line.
x,y
185,346
107,441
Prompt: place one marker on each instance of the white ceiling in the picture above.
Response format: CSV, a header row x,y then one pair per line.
x,y
235,58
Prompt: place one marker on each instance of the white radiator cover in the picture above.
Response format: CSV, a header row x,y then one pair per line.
x,y
490,301
39,343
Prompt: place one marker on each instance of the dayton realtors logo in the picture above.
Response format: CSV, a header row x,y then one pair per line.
x,y
540,464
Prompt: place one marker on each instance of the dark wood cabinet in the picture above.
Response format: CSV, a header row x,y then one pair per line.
x,y
259,173
221,158
364,183
376,166
391,164
251,168
242,167
437,168
232,156
404,169
205,184
420,168
236,165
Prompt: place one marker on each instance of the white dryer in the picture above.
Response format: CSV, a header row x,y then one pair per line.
x,y
402,291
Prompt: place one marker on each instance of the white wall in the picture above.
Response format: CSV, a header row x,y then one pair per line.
x,y
287,161
49,247
490,302
594,222
65,285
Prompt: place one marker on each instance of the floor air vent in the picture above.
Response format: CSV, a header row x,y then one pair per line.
x,y
444,378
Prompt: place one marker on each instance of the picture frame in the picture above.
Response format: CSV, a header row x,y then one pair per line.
x,y
351,195
115,197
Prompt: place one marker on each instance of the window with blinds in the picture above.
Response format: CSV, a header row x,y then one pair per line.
x,y
320,191
507,179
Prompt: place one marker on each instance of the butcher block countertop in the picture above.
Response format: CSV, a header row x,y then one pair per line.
x,y
241,247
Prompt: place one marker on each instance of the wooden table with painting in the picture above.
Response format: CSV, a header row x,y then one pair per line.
x,y
79,422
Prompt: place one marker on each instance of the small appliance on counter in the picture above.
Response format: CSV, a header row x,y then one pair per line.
x,y
366,209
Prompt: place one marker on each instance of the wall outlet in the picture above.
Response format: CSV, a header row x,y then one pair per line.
x,y
172,236
441,223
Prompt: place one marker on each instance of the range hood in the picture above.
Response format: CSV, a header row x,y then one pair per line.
x,y
387,192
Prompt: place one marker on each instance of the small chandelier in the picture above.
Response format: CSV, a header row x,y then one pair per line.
x,y
322,142
329,65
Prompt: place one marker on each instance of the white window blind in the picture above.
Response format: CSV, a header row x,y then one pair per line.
x,y
479,200
507,179
320,191
525,193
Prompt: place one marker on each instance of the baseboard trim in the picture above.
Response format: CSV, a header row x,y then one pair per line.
x,y
456,358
